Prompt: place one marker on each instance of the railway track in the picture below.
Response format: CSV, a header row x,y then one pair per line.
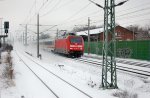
x,y
77,90
121,68
38,77
135,63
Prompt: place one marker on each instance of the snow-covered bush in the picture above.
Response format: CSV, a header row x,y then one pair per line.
x,y
124,94
147,80
7,65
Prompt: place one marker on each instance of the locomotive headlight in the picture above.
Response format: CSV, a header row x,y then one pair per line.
x,y
72,46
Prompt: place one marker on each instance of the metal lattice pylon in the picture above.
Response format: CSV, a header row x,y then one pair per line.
x,y
109,78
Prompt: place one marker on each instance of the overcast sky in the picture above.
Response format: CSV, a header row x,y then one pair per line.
x,y
68,13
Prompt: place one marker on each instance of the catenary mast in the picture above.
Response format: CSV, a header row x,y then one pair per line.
x,y
109,78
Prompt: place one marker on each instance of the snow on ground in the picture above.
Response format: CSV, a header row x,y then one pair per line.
x,y
79,74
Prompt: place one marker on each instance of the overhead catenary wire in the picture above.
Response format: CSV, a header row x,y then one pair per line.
x,y
36,11
49,28
141,20
57,8
139,6
139,10
91,14
125,17
52,9
44,3
117,16
75,14
143,9
79,19
34,3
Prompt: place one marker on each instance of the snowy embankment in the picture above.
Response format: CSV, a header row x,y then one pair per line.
x,y
77,73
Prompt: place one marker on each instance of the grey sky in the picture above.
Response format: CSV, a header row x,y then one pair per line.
x,y
67,13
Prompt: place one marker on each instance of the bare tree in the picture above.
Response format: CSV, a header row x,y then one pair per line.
x,y
44,36
141,33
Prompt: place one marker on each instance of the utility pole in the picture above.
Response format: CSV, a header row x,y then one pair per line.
x,y
133,33
1,27
132,29
26,35
4,40
23,38
88,35
38,35
57,34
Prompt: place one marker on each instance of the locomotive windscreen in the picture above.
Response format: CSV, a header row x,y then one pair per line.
x,y
76,40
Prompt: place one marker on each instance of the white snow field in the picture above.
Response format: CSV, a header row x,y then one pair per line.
x,y
83,76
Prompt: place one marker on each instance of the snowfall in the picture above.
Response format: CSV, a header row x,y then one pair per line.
x,y
87,78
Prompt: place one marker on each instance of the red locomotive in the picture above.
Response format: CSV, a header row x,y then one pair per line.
x,y
70,45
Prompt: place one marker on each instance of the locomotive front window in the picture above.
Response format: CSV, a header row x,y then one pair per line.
x,y
76,40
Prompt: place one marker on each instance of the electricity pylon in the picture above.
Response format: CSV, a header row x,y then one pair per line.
x,y
109,77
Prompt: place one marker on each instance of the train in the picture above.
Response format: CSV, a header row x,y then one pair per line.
x,y
71,45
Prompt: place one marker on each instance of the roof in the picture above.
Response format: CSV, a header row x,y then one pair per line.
x,y
93,31
96,31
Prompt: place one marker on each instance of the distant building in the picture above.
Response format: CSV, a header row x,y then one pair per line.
x,y
121,33
94,34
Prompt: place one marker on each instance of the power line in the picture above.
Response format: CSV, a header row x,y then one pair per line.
x,y
134,16
91,14
147,8
49,28
117,16
75,14
138,21
34,3
79,11
134,7
51,9
132,13
44,3
119,11
128,18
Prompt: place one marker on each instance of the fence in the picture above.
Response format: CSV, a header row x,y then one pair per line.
x,y
139,49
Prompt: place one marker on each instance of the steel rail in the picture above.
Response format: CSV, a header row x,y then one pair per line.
x,y
38,77
61,78
127,69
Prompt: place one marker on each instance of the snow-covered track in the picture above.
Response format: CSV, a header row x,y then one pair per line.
x,y
38,77
61,79
135,63
123,61
122,68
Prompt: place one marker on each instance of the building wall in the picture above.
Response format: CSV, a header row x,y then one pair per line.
x,y
121,34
